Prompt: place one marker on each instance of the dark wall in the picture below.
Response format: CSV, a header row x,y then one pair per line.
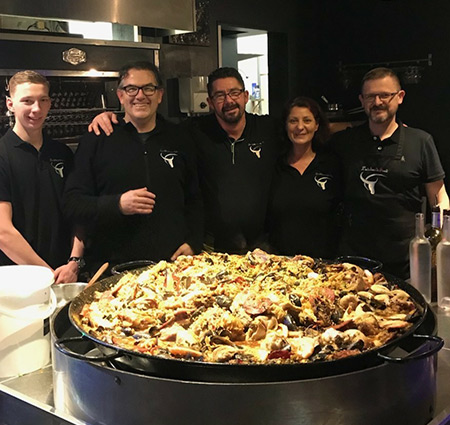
x,y
355,31
309,38
283,27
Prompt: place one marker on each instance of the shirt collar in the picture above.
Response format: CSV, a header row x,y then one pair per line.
x,y
394,138
130,127
18,142
218,129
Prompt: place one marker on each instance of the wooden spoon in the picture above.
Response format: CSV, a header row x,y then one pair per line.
x,y
98,273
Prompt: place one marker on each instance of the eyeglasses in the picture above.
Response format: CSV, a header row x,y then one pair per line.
x,y
148,89
221,95
384,97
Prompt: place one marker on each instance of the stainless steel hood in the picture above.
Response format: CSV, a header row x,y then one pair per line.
x,y
165,14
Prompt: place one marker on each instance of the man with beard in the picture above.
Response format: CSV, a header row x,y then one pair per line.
x,y
388,167
236,155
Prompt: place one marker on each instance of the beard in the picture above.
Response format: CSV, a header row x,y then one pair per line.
x,y
231,113
377,118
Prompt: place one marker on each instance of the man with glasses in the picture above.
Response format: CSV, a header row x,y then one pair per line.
x,y
136,191
388,168
236,154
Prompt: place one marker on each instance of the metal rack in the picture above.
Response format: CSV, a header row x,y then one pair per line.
x,y
409,71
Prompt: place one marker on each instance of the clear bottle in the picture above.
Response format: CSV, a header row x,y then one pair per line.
x,y
443,265
420,260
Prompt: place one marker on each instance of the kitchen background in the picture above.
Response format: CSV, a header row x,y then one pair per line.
x,y
315,48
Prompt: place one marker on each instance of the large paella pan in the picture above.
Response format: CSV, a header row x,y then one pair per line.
x,y
221,317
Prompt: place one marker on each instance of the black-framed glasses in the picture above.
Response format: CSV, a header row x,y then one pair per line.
x,y
132,90
384,97
220,96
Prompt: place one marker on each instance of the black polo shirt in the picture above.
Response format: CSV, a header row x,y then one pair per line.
x,y
235,178
33,182
108,166
303,208
384,185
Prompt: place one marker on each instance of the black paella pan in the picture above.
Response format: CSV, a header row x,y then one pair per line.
x,y
225,372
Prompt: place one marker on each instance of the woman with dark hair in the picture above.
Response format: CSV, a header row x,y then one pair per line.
x,y
306,190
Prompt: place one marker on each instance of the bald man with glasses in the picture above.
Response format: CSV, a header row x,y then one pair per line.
x,y
388,168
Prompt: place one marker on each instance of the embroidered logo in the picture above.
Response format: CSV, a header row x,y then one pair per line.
x,y
370,180
58,166
322,179
256,148
168,157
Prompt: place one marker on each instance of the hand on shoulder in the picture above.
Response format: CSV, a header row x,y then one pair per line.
x,y
103,122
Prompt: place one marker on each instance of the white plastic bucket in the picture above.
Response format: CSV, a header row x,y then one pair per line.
x,y
26,302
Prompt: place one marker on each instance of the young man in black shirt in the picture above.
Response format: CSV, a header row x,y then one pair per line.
x,y
33,170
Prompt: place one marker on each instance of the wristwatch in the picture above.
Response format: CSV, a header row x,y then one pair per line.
x,y
79,260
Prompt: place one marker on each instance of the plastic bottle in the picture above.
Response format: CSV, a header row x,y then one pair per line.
x,y
257,92
420,260
443,265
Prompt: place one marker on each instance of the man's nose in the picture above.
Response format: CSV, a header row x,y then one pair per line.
x,y
140,93
228,98
36,106
377,101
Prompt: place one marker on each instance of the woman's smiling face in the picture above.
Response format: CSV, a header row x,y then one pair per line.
x,y
301,126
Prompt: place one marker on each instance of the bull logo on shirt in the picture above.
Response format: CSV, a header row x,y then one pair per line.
x,y
256,148
58,166
370,180
168,157
321,180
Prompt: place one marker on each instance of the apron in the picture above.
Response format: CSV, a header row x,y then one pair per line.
x,y
380,219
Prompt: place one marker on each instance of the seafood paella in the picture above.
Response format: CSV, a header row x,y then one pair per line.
x,y
251,309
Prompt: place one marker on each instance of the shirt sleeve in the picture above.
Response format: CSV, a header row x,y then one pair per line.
x,y
431,164
5,181
81,203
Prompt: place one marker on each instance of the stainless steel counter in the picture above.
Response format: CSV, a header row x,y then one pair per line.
x,y
28,399
442,416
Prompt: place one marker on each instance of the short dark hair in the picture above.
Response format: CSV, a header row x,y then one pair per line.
x,y
141,65
27,76
224,72
381,72
323,132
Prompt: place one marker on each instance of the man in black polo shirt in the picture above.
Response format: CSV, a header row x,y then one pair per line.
x,y
136,191
387,167
236,155
33,171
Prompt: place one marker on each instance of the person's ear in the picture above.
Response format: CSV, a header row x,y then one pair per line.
x,y
120,95
361,99
9,104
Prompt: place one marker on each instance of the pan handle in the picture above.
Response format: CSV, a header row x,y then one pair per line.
x,y
436,344
59,344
